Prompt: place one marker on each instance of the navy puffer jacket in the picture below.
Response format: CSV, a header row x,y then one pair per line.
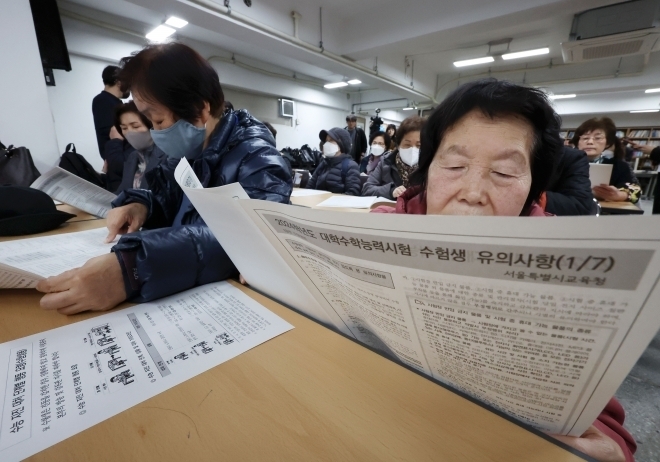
x,y
328,176
175,250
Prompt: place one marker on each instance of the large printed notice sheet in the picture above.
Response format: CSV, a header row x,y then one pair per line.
x,y
73,190
60,382
541,318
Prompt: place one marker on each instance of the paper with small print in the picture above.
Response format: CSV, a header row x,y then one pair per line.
x,y
71,189
57,383
540,318
24,262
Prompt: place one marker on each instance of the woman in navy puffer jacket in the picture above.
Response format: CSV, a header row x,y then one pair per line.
x,y
180,93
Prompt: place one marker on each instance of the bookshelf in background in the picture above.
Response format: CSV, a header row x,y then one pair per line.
x,y
638,135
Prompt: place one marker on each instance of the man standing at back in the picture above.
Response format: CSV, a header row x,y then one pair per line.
x,y
358,138
104,104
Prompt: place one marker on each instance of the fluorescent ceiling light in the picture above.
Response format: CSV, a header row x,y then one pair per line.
x,y
645,110
472,62
160,33
335,85
355,82
572,95
653,90
176,22
408,108
524,54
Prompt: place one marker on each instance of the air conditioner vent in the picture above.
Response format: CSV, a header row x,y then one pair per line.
x,y
613,50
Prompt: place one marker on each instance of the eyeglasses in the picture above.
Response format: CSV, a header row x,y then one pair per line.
x,y
596,139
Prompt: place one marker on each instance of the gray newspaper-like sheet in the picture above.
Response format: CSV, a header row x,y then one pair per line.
x,y
539,318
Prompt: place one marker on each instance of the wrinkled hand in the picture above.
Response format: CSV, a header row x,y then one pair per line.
x,y
98,285
596,444
114,134
125,219
398,191
609,193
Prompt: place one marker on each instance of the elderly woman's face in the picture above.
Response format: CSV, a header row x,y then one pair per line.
x,y
482,167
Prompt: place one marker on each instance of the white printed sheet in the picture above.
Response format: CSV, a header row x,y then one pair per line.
x,y
57,383
24,262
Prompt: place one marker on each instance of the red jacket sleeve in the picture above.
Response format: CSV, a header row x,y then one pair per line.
x,y
610,422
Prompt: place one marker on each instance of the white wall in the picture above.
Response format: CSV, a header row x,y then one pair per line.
x,y
25,117
92,48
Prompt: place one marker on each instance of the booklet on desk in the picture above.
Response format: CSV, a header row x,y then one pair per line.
x,y
73,190
541,319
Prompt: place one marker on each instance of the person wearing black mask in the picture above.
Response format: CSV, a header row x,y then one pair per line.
x,y
103,107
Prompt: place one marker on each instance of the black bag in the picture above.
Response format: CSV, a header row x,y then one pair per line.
x,y
75,163
17,167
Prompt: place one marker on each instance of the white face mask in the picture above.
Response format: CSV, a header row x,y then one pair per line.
x,y
330,149
377,150
409,156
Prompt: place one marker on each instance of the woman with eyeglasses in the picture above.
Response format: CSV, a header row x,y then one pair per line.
x,y
597,137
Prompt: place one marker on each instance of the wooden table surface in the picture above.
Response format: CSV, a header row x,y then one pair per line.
x,y
309,394
620,208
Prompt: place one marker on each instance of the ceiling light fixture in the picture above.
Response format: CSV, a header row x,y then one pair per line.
x,y
335,85
524,54
408,108
645,110
160,33
653,90
472,62
355,82
572,95
176,22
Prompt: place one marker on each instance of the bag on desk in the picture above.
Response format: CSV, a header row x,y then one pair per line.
x,y
75,163
16,166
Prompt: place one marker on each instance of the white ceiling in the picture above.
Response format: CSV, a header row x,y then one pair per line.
x,y
432,33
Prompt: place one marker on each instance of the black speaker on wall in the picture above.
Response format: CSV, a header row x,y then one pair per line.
x,y
50,36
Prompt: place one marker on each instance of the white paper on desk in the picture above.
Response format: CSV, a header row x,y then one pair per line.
x,y
24,262
60,382
261,266
73,190
471,300
351,202
297,192
600,174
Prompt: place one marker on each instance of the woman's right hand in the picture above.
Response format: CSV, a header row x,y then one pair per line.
x,y
398,191
125,219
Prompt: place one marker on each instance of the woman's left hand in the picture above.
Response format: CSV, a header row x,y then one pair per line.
x,y
609,193
596,444
98,285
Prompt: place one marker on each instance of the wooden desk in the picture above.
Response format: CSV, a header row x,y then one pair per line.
x,y
80,215
309,394
620,208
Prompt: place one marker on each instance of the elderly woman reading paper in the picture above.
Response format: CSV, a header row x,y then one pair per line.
x,y
489,149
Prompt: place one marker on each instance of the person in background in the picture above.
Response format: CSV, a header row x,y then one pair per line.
x,y
271,129
229,107
654,153
597,137
338,172
569,189
104,104
390,177
378,146
391,132
145,155
489,149
167,247
358,138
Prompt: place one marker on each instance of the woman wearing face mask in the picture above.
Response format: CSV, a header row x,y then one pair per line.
x,y
390,177
378,144
597,137
338,172
135,128
180,93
